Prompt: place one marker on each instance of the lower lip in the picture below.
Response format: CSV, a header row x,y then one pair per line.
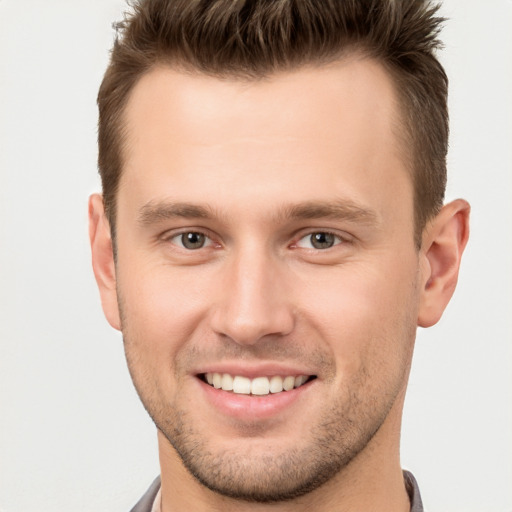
x,y
251,407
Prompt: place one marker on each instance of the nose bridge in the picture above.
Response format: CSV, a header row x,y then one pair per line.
x,y
254,302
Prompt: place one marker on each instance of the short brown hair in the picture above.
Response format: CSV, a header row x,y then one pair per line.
x,y
249,39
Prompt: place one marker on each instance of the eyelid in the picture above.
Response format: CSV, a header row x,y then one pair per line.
x,y
212,239
340,239
170,235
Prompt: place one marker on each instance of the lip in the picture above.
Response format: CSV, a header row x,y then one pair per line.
x,y
253,371
250,408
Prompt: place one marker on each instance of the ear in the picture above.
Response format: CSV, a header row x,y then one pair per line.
x,y
103,259
444,240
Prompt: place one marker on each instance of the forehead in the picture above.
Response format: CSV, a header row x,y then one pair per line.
x,y
294,135
353,89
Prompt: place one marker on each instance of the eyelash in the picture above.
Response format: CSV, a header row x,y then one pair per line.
x,y
179,235
338,240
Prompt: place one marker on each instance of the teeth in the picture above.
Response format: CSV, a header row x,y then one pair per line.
x,y
300,380
227,382
276,384
217,380
242,385
288,383
258,386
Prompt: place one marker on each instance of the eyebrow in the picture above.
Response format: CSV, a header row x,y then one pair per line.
x,y
346,210
336,210
153,212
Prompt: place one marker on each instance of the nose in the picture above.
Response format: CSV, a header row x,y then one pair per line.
x,y
255,302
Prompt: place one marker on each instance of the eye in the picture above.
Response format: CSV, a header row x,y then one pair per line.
x,y
191,240
319,240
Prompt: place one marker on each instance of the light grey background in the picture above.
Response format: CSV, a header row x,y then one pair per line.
x,y
73,435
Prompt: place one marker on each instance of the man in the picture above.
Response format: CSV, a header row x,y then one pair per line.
x,y
270,235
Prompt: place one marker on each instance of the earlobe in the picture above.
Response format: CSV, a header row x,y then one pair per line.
x,y
444,241
103,259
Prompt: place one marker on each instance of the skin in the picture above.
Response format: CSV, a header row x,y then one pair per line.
x,y
258,167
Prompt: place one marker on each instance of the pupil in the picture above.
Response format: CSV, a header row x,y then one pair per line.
x,y
322,240
192,240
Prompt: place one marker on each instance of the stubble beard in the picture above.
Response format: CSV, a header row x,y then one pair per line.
x,y
340,434
267,477
264,476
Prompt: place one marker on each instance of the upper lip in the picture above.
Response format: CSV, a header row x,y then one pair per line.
x,y
251,370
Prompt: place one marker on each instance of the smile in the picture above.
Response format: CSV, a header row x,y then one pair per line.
x,y
259,386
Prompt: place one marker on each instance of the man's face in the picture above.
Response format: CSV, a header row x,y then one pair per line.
x,y
265,237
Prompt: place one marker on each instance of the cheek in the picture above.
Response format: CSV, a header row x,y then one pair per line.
x,y
161,313
365,315
161,306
